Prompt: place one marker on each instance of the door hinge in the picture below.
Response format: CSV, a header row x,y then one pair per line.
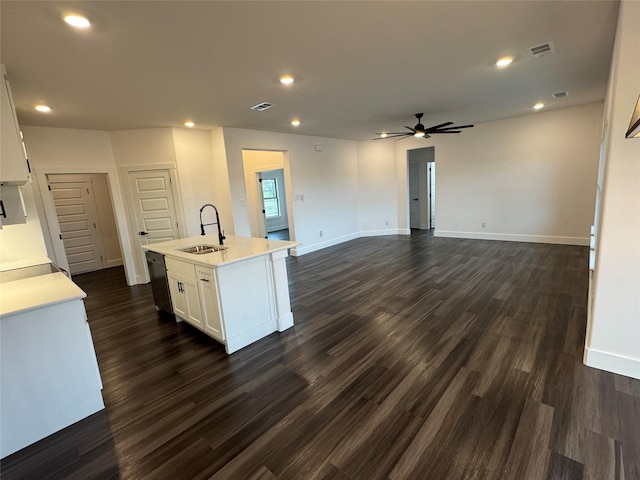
x,y
170,182
87,190
260,180
94,225
49,187
263,211
28,166
60,235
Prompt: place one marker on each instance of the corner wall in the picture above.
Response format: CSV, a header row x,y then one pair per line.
x,y
613,335
324,185
529,178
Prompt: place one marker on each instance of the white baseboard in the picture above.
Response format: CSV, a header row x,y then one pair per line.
x,y
611,362
510,237
301,250
390,231
113,263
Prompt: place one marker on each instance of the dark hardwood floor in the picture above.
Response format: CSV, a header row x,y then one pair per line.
x,y
411,358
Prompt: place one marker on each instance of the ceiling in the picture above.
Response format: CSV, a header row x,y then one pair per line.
x,y
360,66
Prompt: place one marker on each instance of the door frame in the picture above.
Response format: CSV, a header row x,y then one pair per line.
x,y
253,190
86,178
120,212
142,275
424,204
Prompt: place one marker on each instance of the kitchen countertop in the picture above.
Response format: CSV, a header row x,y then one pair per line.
x,y
26,294
23,262
238,249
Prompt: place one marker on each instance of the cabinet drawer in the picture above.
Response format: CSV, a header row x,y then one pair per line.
x,y
181,268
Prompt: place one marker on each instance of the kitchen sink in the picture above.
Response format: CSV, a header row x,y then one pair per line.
x,y
202,249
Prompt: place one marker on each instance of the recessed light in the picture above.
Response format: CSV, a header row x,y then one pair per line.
x,y
295,122
286,79
77,21
43,108
504,61
189,124
538,106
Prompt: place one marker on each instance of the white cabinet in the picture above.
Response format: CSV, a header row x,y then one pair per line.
x,y
194,296
50,376
233,304
236,296
183,287
209,301
13,161
12,209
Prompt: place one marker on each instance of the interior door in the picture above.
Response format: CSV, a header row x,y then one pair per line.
x,y
78,219
414,200
154,205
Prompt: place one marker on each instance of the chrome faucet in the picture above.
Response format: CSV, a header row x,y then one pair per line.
x,y
221,236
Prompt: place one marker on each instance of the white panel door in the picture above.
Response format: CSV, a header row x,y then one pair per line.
x,y
156,219
78,219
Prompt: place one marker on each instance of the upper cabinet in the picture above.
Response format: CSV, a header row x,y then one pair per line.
x,y
13,162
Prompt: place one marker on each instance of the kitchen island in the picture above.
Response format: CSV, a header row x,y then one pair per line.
x,y
237,293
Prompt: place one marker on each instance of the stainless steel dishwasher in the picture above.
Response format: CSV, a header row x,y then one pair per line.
x,y
159,284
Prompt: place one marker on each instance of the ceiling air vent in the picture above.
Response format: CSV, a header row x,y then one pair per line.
x,y
261,107
560,95
542,50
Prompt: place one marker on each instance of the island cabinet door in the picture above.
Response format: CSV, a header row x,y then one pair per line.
x,y
208,289
178,298
185,298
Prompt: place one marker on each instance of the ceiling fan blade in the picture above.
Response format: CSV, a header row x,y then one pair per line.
x,y
456,127
394,135
444,131
439,126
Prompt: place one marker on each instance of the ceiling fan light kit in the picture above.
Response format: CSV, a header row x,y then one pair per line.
x,y
420,131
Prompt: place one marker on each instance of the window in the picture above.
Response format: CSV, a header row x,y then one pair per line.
x,y
270,195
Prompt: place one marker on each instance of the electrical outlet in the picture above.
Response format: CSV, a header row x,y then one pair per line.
x,y
484,224
321,233
386,222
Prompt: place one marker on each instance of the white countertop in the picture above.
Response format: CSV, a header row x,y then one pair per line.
x,y
32,293
24,262
238,249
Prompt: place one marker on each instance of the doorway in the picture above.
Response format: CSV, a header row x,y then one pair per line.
x,y
274,201
422,188
83,207
267,182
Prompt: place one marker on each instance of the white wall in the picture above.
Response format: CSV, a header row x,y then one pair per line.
x,y
613,338
196,173
530,178
324,185
377,186
63,150
222,188
50,149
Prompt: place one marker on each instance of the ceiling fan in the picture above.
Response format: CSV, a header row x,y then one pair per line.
x,y
420,131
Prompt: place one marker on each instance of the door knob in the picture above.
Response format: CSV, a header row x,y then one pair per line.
x,y
416,199
143,233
